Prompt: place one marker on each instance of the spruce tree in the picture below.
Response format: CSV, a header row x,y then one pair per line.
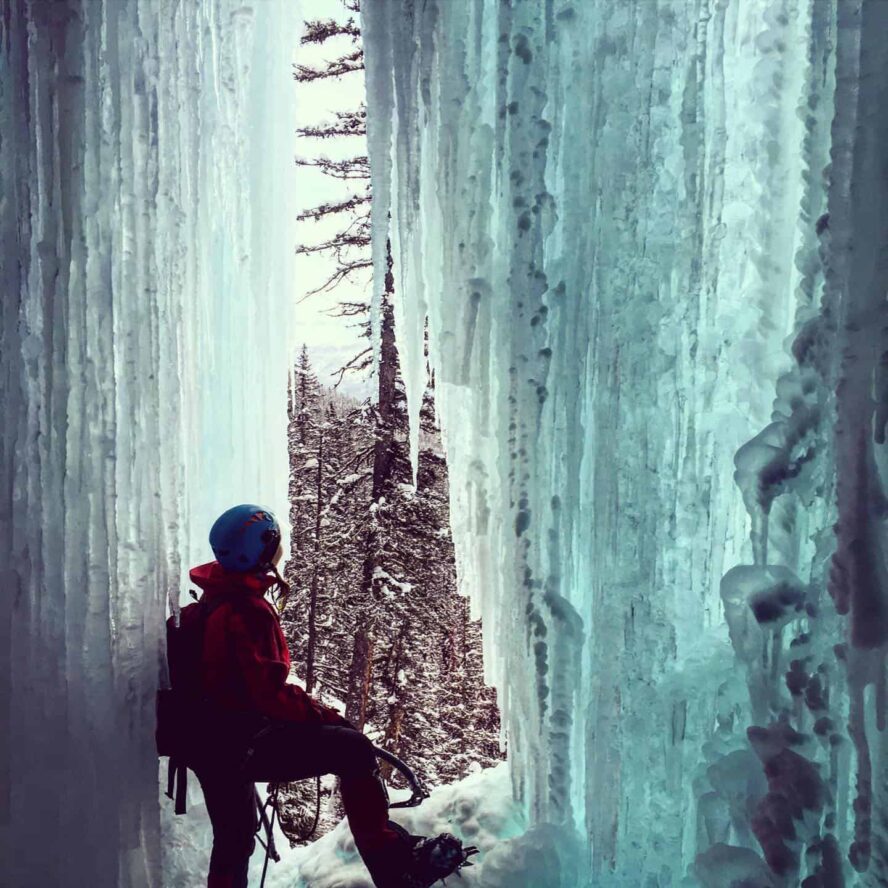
x,y
304,438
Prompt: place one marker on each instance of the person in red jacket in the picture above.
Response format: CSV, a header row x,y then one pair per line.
x,y
266,729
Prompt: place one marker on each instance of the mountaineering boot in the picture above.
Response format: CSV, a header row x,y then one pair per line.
x,y
388,864
418,862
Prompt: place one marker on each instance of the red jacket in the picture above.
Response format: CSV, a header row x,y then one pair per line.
x,y
245,656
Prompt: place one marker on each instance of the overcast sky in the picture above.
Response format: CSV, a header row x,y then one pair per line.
x,y
331,340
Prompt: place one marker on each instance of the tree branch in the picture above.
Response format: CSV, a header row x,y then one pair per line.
x,y
357,234
344,65
342,272
351,168
321,30
347,123
336,245
330,209
359,362
349,309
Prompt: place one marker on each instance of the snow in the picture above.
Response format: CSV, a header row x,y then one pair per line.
x,y
383,575
658,374
478,810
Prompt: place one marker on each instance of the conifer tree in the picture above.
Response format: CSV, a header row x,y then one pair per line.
x,y
424,698
390,467
304,439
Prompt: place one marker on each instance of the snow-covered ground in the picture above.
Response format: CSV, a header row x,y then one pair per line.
x,y
479,810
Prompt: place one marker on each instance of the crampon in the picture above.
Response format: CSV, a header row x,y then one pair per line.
x,y
436,858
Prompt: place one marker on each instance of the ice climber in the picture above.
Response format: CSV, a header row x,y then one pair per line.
x,y
257,727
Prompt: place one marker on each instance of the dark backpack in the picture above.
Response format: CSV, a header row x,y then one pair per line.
x,y
182,707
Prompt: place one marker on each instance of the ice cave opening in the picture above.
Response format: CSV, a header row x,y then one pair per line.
x,y
645,244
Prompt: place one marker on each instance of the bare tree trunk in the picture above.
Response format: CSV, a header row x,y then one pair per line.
x,y
313,594
392,736
359,678
397,709
360,670
383,454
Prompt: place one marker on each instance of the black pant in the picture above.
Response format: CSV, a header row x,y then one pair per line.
x,y
293,751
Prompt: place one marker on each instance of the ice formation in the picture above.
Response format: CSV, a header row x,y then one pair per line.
x,y
144,153
648,240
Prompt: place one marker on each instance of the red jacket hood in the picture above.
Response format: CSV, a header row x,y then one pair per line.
x,y
245,661
213,579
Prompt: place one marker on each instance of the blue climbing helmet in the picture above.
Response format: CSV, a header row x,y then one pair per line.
x,y
245,538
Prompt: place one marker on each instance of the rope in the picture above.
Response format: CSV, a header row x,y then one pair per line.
x,y
268,824
305,836
268,845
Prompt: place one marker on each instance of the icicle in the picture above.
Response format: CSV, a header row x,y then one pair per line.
x,y
378,81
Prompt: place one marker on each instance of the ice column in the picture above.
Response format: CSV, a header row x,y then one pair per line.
x,y
144,156
647,237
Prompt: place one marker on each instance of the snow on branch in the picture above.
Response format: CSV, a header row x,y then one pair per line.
x,y
344,65
330,209
351,168
357,234
322,30
347,123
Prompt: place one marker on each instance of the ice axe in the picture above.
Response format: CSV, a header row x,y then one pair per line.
x,y
419,792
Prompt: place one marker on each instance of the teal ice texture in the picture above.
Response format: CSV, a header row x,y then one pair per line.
x,y
648,240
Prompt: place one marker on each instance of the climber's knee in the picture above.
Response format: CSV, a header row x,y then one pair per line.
x,y
357,754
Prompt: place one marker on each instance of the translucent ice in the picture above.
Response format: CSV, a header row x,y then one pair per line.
x,y
647,237
143,362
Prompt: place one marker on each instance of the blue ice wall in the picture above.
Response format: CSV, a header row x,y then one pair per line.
x,y
649,242
145,149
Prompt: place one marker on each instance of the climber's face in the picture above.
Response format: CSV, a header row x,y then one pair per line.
x,y
276,560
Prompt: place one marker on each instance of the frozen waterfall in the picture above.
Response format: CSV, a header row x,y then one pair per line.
x,y
648,240
143,367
